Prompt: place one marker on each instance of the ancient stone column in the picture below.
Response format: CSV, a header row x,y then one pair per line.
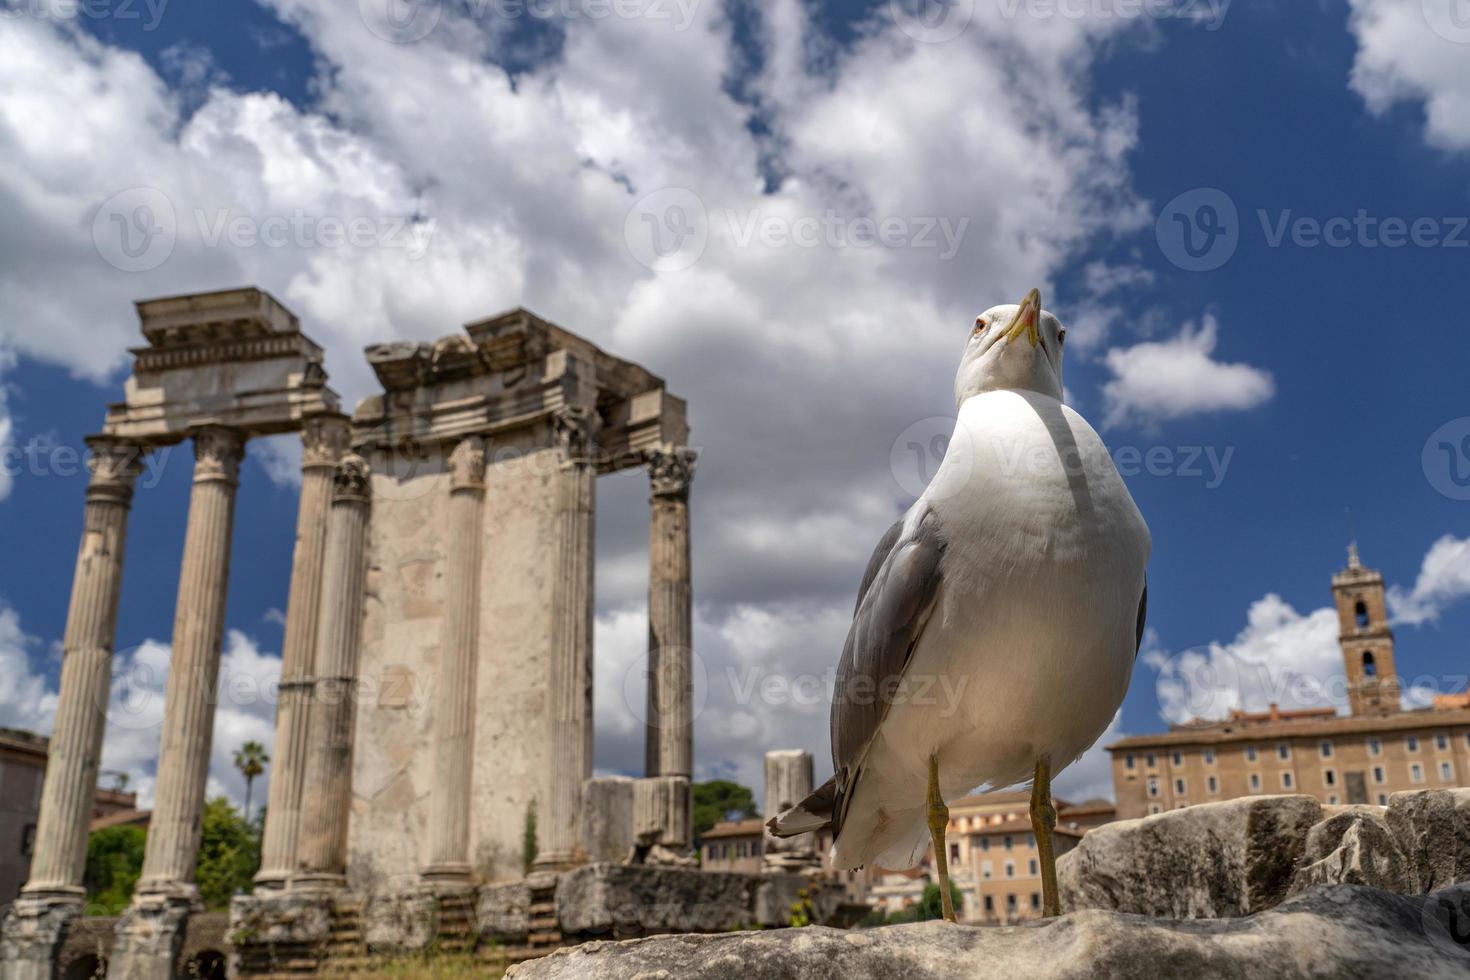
x,y
669,749
454,694
324,439
788,782
322,845
189,697
86,676
570,688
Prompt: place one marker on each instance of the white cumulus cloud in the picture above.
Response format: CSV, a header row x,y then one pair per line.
x,y
1444,578
1416,52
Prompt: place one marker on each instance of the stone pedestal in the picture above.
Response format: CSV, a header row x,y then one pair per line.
x,y
324,441
454,692
34,929
570,690
86,675
788,782
607,817
322,847
149,937
670,738
663,817
190,695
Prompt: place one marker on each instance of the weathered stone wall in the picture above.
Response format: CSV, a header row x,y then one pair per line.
x,y
400,660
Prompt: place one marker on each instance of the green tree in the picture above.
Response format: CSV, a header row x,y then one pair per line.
x,y
930,906
114,862
250,759
720,799
229,854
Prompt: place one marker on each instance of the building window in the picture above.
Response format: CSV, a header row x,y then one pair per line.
x,y
1149,760
1286,780
1212,784
1255,782
1283,751
1128,761
986,869
1032,868
1179,787
1031,841
1442,742
1332,799
1178,758
1154,808
1411,743
990,904
1378,774
954,853
1007,842
1209,756
1329,777
1153,786
1360,614
1250,753
1010,869
1370,666
985,843
1416,773
1446,772
1326,749
1383,799
740,849
1035,901
1011,904
1375,747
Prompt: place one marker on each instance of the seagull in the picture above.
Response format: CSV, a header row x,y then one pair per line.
x,y
997,622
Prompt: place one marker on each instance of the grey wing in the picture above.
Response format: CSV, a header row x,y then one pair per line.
x,y
894,603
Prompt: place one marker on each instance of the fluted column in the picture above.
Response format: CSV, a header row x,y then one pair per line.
x,y
669,750
322,845
189,697
454,694
324,440
86,675
570,693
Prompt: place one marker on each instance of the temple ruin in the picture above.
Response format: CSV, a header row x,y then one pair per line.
x,y
437,662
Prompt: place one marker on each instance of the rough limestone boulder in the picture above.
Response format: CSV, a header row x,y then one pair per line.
x,y
1215,860
1354,846
1432,828
1339,933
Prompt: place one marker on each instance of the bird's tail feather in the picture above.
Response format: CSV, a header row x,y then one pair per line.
x,y
811,814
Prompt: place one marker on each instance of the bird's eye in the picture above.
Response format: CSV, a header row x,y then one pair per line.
x,y
1061,336
980,324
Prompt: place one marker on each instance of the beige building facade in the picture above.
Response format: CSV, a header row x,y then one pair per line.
x,y
1362,757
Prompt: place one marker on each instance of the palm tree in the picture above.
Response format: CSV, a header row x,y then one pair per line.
x,y
250,759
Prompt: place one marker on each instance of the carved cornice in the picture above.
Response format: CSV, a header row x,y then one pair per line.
x,y
467,464
575,430
114,465
352,480
670,471
324,438
217,454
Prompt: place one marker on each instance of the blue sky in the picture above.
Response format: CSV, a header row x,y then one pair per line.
x,y
1275,385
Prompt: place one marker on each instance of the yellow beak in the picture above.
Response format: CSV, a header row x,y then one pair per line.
x,y
1027,319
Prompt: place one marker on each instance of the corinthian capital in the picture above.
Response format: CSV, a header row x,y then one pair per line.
x,y
670,471
324,438
575,429
114,465
217,454
352,480
467,464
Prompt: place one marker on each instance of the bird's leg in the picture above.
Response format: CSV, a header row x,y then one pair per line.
x,y
1043,822
938,822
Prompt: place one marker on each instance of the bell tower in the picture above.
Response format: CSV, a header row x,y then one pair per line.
x,y
1367,642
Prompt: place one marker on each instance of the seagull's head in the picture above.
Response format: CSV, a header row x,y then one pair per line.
x,y
1012,347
